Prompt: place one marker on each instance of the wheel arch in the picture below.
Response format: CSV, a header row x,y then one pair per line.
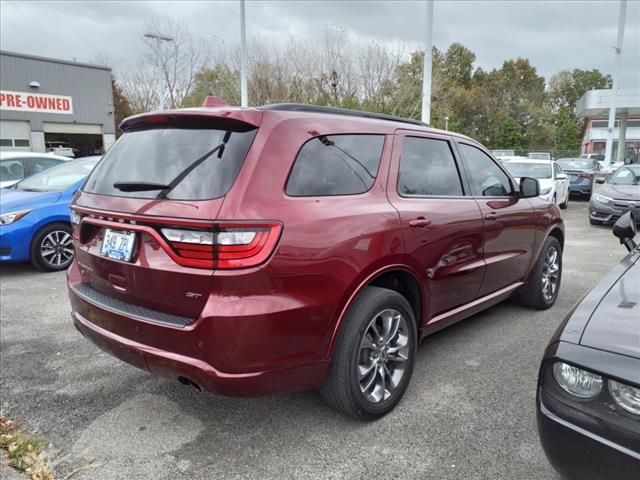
x,y
44,224
399,278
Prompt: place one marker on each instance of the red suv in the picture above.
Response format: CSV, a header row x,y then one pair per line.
x,y
256,250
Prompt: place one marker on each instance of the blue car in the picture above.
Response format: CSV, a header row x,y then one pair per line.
x,y
35,222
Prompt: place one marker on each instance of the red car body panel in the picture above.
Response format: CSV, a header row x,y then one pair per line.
x,y
272,327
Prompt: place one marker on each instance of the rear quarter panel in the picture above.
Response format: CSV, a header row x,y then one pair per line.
x,y
328,247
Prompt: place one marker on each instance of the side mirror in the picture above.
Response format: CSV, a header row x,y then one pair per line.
x,y
600,179
529,187
625,229
562,176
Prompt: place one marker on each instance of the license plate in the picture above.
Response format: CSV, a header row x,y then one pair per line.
x,y
118,244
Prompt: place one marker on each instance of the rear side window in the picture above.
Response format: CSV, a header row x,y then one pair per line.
x,y
37,165
427,168
336,165
169,156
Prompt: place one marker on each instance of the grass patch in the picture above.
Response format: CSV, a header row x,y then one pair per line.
x,y
24,450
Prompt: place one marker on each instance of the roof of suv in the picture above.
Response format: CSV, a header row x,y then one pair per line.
x,y
254,116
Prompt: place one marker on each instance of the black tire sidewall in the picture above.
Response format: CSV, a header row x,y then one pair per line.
x,y
367,409
35,254
549,242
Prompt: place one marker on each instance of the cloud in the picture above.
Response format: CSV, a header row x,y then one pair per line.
x,y
554,35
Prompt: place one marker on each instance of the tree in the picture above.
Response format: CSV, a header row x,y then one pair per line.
x,y
178,60
121,107
220,81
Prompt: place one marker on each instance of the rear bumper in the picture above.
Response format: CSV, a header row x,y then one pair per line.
x,y
579,454
584,189
173,365
242,346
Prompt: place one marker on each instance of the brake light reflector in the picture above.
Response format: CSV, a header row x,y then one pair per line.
x,y
224,246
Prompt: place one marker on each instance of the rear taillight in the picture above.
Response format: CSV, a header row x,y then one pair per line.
x,y
75,223
586,175
223,246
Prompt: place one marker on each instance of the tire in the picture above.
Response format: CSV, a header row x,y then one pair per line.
x,y
532,295
343,389
54,237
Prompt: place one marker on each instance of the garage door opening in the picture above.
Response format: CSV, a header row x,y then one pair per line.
x,y
81,144
73,139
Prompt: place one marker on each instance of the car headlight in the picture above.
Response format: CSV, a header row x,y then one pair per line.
x,y
601,198
7,218
576,381
626,396
545,191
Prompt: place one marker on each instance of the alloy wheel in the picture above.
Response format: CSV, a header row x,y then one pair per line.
x,y
383,355
550,274
56,249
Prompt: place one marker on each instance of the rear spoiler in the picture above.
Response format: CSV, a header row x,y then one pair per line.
x,y
213,114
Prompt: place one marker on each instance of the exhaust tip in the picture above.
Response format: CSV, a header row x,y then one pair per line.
x,y
188,381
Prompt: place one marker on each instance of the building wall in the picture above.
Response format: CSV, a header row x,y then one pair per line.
x,y
89,87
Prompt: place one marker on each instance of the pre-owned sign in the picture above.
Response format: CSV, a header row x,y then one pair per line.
x,y
35,102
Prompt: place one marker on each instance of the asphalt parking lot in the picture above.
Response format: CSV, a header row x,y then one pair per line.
x,y
469,412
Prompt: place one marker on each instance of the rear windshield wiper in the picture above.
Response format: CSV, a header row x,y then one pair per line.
x,y
181,176
139,186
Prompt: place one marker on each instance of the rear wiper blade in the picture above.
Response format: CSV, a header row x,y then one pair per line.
x,y
182,175
139,186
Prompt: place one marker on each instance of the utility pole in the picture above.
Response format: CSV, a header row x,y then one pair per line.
x,y
608,157
428,60
159,39
244,96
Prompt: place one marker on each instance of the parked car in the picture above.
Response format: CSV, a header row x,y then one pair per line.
x,y
34,216
617,194
604,166
554,183
582,172
16,166
588,401
63,148
293,247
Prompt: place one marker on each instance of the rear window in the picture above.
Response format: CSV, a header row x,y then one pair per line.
x,y
336,165
163,155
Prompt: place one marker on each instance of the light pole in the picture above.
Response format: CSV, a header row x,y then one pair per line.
x,y
428,59
446,123
244,96
159,39
608,157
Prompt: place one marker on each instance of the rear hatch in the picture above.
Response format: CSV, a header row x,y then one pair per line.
x,y
145,224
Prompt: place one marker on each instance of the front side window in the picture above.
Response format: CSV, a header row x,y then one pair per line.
x,y
336,165
427,168
11,170
486,178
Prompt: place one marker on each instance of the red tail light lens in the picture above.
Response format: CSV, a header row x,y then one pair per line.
x,y
224,246
586,175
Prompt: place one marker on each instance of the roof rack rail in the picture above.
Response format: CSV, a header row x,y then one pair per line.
x,y
301,107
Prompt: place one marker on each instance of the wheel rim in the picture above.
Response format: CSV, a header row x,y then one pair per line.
x,y
383,355
56,249
550,273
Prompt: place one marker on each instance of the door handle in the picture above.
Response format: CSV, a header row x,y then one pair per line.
x,y
491,216
419,222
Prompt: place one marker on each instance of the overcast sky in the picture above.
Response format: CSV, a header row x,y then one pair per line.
x,y
554,35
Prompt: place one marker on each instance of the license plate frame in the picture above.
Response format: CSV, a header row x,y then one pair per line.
x,y
118,244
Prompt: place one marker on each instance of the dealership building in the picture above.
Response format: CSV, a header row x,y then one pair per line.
x,y
47,103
